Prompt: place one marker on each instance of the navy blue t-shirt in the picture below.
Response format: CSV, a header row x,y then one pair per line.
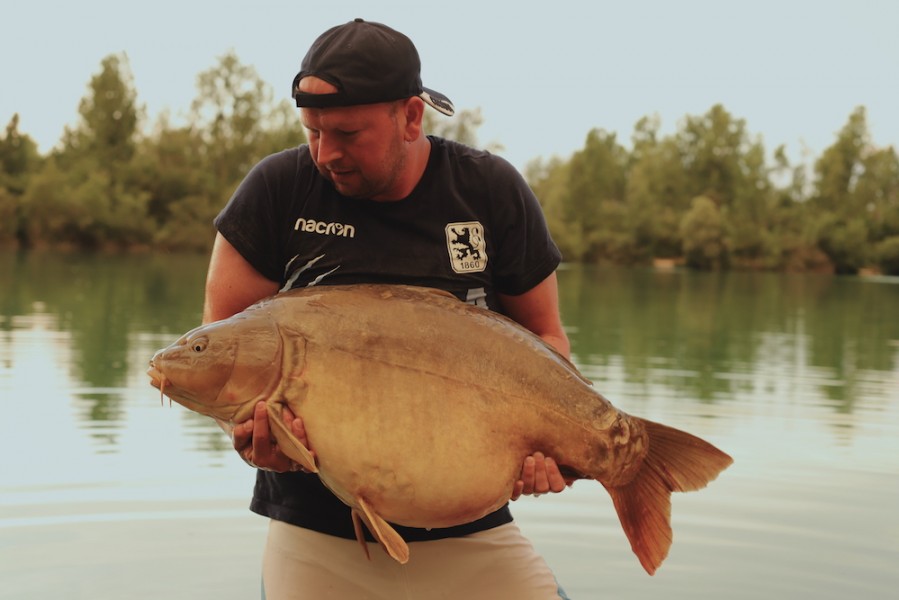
x,y
471,227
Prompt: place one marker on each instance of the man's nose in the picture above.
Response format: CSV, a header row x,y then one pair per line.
x,y
329,150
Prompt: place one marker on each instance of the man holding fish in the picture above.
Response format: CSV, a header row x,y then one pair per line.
x,y
372,199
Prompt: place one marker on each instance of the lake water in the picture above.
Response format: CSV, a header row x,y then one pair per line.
x,y
106,494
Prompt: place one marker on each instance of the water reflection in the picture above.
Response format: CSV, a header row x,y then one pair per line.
x,y
717,336
97,308
651,336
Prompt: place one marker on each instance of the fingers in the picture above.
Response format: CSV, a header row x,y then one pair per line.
x,y
516,490
242,435
541,480
296,425
299,431
539,475
262,436
554,479
528,475
254,443
525,485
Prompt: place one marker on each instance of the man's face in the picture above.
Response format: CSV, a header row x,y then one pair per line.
x,y
360,149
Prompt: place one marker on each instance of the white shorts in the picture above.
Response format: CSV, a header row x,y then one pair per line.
x,y
495,564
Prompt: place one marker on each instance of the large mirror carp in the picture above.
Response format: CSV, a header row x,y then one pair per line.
x,y
395,383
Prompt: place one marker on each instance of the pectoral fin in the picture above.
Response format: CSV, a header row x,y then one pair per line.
x,y
390,540
289,443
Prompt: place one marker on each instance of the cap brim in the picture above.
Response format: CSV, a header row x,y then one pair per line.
x,y
438,101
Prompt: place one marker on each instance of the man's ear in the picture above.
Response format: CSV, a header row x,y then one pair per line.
x,y
413,111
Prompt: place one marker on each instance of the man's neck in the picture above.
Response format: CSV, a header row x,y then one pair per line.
x,y
418,153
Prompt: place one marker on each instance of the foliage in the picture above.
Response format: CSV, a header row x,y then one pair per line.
x,y
708,194
702,230
19,160
656,191
109,118
753,214
887,255
589,212
9,219
107,185
856,196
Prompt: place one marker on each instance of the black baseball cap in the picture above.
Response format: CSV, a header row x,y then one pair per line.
x,y
368,63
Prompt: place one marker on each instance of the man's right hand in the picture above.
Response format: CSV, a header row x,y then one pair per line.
x,y
254,442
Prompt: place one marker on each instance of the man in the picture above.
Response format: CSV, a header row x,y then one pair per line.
x,y
371,198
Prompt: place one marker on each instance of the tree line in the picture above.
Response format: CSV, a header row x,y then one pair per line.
x,y
706,196
108,186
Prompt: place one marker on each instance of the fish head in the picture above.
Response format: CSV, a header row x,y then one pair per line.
x,y
221,369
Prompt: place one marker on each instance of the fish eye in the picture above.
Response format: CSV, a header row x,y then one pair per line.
x,y
199,344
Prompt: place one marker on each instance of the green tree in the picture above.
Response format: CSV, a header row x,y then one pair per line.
x,y
876,192
49,210
189,172
791,244
548,179
844,240
108,128
19,160
750,218
9,218
793,178
656,191
81,196
725,164
593,202
887,255
839,166
839,224
182,195
702,230
712,147
237,121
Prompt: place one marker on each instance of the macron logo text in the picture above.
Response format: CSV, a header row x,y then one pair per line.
x,y
322,228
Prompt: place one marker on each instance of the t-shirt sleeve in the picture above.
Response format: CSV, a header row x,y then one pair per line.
x,y
527,253
250,221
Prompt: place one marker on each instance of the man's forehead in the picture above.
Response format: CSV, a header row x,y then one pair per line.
x,y
342,117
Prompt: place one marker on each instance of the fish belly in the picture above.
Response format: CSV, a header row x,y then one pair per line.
x,y
422,457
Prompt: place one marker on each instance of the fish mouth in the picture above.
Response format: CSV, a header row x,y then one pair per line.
x,y
168,389
159,381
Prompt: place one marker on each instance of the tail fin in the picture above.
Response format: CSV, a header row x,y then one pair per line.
x,y
675,462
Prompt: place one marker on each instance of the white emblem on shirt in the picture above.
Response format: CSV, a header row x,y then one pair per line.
x,y
467,247
296,274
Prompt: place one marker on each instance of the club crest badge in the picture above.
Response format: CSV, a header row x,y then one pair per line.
x,y
467,247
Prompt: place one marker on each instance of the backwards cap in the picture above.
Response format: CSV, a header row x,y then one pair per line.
x,y
368,63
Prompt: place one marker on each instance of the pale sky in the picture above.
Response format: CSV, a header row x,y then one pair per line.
x,y
543,72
